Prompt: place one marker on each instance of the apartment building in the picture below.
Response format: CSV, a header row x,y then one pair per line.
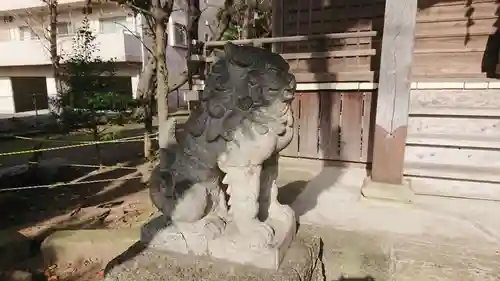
x,y
26,80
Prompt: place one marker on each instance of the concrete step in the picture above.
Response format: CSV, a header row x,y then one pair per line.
x,y
361,256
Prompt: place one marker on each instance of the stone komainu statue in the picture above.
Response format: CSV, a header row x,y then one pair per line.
x,y
229,149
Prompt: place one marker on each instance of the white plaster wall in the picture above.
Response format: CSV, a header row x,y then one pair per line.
x,y
51,87
175,56
121,46
30,58
209,8
46,71
6,96
135,83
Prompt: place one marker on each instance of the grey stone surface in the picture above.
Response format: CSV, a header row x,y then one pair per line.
x,y
216,181
191,239
14,247
301,263
355,255
74,245
46,171
16,275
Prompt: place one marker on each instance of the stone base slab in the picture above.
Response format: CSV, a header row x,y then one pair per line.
x,y
394,192
190,239
141,263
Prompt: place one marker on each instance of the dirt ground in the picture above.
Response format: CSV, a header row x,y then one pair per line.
x,y
118,203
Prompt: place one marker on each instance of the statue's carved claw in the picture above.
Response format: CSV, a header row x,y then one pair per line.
x,y
257,234
214,226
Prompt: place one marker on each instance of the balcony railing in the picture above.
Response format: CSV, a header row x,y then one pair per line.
x,y
120,46
6,5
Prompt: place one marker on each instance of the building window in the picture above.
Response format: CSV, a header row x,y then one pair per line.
x,y
64,29
113,25
26,33
180,35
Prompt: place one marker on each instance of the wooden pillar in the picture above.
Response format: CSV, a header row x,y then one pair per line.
x,y
277,23
394,91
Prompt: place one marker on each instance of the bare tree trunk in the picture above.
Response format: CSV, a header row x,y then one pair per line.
x,y
54,56
247,20
145,91
162,88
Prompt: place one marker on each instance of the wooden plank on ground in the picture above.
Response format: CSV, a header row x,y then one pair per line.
x,y
485,103
329,130
394,91
309,124
352,111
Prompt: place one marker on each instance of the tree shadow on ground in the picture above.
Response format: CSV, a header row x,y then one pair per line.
x,y
367,278
29,206
26,208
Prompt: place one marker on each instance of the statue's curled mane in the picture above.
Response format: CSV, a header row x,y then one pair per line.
x,y
242,85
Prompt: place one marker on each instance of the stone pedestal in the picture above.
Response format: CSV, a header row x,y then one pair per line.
x,y
191,239
141,263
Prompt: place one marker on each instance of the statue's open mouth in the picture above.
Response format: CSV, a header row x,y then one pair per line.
x,y
288,95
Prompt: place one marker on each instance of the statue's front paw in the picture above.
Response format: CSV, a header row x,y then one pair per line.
x,y
258,234
213,227
280,212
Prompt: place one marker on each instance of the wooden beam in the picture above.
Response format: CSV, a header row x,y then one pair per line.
x,y
394,91
297,38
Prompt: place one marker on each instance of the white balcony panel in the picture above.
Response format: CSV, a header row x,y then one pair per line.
x,y
8,5
121,47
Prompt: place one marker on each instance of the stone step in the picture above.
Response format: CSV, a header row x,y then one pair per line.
x,y
348,254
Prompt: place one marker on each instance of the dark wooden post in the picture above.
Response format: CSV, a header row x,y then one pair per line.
x,y
394,91
277,23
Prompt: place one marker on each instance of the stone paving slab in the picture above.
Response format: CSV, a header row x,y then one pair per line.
x,y
301,263
387,257
75,245
344,254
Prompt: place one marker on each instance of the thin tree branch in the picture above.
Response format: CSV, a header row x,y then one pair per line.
x,y
138,9
33,31
174,83
137,37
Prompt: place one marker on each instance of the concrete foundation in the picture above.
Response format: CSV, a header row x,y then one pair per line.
x,y
384,191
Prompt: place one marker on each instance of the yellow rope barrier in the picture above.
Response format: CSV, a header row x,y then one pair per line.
x,y
65,184
123,140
